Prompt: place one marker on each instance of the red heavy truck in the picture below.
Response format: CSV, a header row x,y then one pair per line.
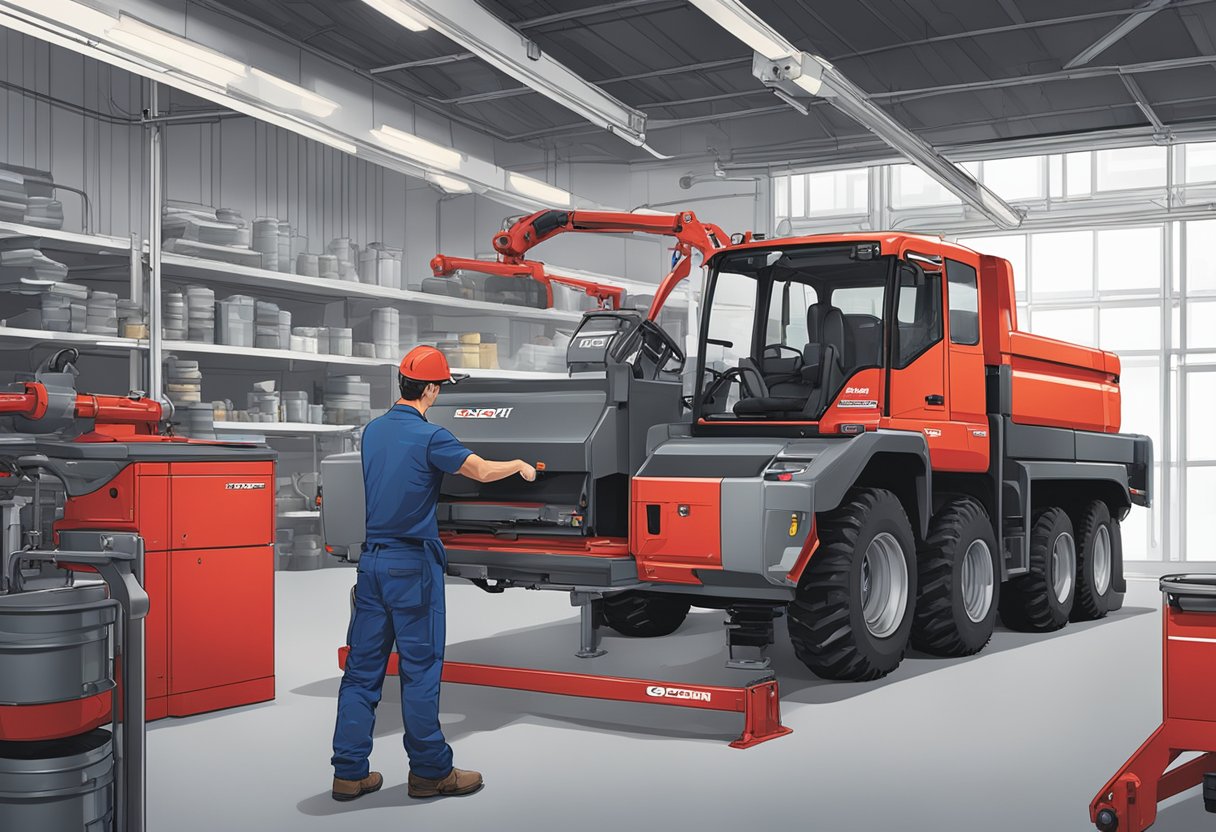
x,y
871,447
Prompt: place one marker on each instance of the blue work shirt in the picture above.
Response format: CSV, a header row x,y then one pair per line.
x,y
404,460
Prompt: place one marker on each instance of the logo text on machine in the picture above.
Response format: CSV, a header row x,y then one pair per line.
x,y
660,692
483,412
244,486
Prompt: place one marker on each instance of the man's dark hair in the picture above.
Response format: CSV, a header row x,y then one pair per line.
x,y
411,390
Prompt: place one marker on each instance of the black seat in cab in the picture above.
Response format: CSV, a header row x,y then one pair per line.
x,y
795,387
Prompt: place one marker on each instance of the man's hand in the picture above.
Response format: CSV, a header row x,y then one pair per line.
x,y
526,471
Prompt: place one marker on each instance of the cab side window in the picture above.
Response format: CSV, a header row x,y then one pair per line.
x,y
964,300
918,314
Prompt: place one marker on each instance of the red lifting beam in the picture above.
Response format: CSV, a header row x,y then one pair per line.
x,y
759,702
445,266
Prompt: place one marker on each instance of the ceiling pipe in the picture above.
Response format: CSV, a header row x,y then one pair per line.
x,y
797,77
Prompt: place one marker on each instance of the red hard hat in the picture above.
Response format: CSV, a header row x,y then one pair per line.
x,y
426,364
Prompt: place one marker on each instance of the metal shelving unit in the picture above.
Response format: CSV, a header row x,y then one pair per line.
x,y
280,428
285,284
35,337
254,354
69,241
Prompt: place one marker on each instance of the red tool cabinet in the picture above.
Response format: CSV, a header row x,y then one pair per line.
x,y
206,514
1128,802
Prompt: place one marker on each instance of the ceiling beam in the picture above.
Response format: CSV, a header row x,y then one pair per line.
x,y
523,25
1044,78
1131,22
480,97
501,46
1142,102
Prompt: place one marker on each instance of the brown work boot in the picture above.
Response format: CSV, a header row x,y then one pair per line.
x,y
350,789
458,782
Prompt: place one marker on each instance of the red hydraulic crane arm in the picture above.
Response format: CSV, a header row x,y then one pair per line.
x,y
688,232
110,410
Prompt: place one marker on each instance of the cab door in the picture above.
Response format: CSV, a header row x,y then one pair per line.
x,y
917,358
967,396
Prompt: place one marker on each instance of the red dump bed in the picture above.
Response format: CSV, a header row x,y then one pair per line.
x,y
1055,383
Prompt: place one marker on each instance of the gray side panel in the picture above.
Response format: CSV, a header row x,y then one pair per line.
x,y
742,507
1105,471
1106,447
1034,442
552,428
837,467
343,513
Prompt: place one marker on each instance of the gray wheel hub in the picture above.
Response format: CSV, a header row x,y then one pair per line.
x,y
977,581
1103,559
1063,566
884,585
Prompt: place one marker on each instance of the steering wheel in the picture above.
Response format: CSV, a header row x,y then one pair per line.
x,y
660,347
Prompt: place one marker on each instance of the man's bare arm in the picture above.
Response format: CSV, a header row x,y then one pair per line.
x,y
485,470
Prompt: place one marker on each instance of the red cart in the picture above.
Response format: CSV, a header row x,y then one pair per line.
x,y
1128,803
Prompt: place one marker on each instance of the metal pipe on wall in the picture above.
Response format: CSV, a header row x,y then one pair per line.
x,y
155,171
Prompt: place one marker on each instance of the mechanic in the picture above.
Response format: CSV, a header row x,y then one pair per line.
x,y
399,594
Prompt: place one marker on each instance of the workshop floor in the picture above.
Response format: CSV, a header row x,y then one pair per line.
x,y
1020,737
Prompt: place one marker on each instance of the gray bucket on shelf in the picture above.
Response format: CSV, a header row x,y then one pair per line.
x,y
54,645
63,785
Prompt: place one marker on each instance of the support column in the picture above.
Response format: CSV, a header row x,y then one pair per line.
x,y
155,198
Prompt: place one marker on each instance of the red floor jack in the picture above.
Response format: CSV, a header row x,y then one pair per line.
x,y
1128,803
759,701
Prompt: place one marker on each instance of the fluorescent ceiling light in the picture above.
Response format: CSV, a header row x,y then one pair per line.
x,y
78,16
504,48
450,184
174,52
743,23
418,148
280,93
538,190
400,13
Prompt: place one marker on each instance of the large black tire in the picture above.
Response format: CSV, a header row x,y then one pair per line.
x,y
1096,553
1031,603
958,598
644,615
827,619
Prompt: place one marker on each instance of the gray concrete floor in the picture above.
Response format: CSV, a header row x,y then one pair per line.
x,y
1020,737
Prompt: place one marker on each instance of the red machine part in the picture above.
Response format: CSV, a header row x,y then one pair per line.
x,y
143,414
1128,801
607,296
759,702
210,627
689,233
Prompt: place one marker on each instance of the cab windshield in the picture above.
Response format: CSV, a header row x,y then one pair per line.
x,y
785,328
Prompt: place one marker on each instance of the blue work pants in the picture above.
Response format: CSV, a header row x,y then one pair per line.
x,y
399,598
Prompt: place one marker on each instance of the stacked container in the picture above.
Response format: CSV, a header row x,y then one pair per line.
x,y
183,380
266,332
102,314
386,331
266,241
55,657
347,400
173,317
200,314
63,304
235,316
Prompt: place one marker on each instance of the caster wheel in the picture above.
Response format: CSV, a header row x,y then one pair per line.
x,y
1107,820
